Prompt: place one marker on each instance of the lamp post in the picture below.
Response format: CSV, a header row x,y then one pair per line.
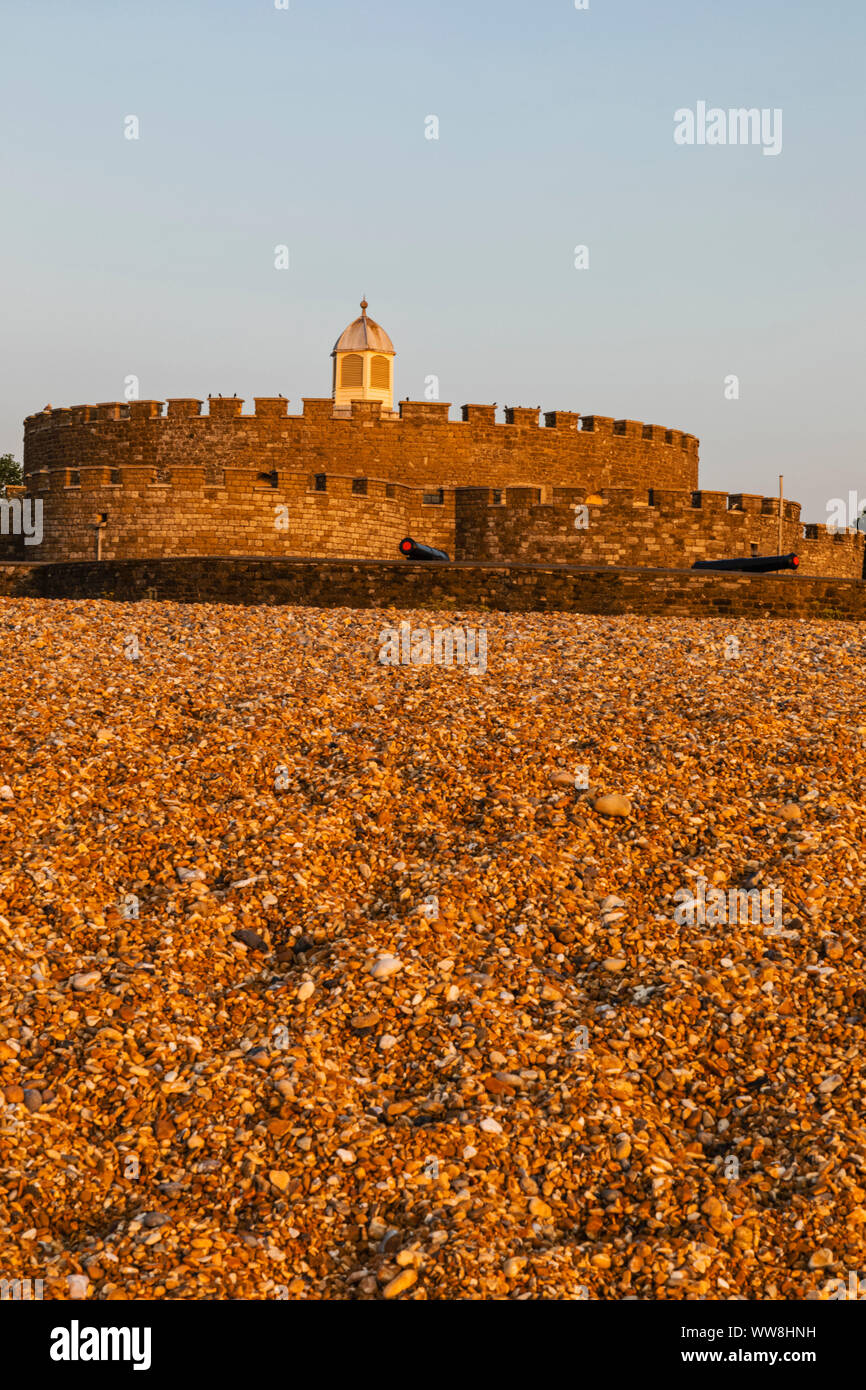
x,y
781,480
100,524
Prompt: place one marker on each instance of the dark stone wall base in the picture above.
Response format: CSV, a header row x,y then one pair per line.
x,y
376,584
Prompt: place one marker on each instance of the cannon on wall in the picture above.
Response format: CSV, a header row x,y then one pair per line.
x,y
752,564
414,550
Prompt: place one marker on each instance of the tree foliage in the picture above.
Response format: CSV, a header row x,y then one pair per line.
x,y
10,471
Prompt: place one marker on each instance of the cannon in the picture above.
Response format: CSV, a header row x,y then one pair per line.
x,y
414,550
752,564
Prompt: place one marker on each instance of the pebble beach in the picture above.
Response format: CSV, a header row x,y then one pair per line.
x,y
332,977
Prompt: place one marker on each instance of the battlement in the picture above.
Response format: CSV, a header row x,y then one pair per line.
x,y
632,526
523,417
424,412
663,500
200,477
318,409
819,531
561,420
478,414
139,410
191,476
153,443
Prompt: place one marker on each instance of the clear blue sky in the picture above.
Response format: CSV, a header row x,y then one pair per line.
x,y
306,127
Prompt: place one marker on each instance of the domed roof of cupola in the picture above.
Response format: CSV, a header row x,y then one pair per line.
x,y
364,335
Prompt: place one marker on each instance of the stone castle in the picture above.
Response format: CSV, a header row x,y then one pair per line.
x,y
351,475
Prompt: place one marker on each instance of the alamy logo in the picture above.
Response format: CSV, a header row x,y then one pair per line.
x,y
738,126
445,646
25,518
837,1290
21,1289
712,906
841,516
76,1343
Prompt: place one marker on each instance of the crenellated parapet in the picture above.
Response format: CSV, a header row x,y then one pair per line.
x,y
199,508
659,528
318,408
191,476
418,443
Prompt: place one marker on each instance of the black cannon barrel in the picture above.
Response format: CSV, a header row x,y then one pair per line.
x,y
752,564
414,550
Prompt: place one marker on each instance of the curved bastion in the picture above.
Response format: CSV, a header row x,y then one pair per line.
x,y
159,481
350,476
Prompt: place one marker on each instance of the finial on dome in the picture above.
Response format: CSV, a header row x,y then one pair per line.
x,y
364,307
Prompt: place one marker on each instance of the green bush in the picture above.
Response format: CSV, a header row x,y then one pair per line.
x,y
11,474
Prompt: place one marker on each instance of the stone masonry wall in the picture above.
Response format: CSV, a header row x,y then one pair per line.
x,y
241,517
661,528
187,483
225,483
440,586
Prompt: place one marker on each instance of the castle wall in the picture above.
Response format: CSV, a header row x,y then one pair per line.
x,y
421,448
181,482
839,553
665,528
238,516
440,587
171,481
